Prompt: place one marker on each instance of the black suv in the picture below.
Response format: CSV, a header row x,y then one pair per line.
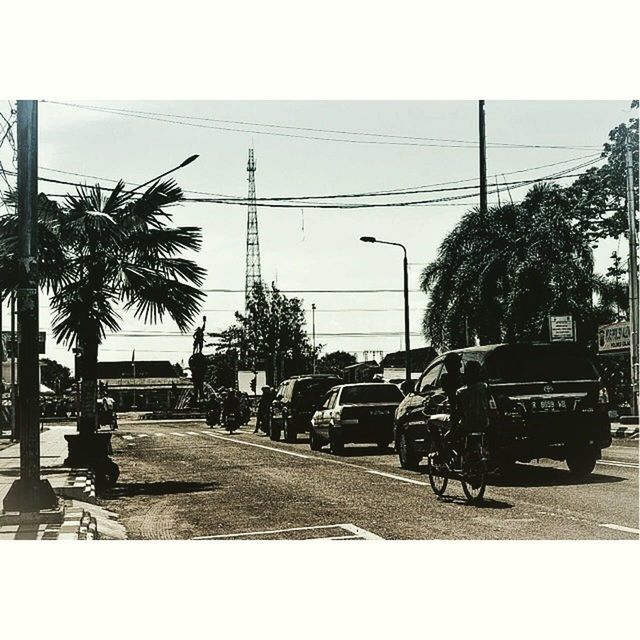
x,y
546,401
295,403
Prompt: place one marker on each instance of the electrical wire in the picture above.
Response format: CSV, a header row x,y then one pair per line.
x,y
404,140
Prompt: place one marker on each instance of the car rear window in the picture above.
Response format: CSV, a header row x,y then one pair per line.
x,y
313,390
538,363
370,393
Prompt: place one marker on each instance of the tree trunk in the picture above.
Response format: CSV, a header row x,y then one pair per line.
x,y
87,423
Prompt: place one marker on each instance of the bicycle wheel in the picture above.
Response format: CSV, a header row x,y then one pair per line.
x,y
474,473
437,478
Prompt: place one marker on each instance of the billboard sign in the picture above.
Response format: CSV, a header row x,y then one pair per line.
x,y
562,329
614,337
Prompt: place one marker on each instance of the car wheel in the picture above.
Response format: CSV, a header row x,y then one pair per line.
x,y
289,434
408,459
335,443
582,462
314,441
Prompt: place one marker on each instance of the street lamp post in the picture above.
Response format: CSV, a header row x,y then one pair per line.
x,y
405,265
29,494
184,163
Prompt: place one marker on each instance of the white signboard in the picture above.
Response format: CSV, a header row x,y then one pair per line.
x,y
612,337
245,379
562,329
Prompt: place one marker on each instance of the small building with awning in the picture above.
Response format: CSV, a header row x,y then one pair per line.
x,y
145,385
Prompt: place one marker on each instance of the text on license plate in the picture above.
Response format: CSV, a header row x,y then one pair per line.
x,y
549,405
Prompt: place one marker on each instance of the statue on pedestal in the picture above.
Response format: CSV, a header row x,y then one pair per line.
x,y
198,363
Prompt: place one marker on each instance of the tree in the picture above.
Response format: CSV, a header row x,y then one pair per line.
x,y
271,334
598,198
104,249
221,369
335,362
55,375
497,276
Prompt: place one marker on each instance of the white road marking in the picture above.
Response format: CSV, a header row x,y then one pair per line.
x,y
618,527
395,477
615,463
192,433
356,531
254,444
128,437
162,435
175,433
142,435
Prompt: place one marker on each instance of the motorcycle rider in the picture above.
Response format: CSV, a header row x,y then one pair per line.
x,y
264,406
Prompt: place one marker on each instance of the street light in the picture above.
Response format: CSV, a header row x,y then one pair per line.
x,y
184,163
405,264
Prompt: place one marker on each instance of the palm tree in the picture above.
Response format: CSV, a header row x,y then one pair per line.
x,y
104,249
498,275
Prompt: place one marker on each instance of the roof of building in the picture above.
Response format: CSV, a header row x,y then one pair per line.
x,y
143,369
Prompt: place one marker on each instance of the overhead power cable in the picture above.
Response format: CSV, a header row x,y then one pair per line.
x,y
395,139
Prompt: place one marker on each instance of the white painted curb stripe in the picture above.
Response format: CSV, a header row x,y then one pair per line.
x,y
613,463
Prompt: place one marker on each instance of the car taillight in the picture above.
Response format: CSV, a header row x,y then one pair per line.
x,y
603,396
492,403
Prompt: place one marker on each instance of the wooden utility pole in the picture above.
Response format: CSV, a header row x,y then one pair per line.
x,y
29,493
633,280
483,159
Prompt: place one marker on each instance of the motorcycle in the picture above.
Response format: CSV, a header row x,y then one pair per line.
x,y
231,421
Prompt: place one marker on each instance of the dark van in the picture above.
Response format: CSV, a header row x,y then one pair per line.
x,y
295,403
546,401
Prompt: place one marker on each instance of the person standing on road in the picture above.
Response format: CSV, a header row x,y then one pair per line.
x,y
264,406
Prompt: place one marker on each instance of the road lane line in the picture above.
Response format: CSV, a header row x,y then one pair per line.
x,y
618,527
260,446
367,535
192,433
395,477
128,437
162,435
615,463
355,531
175,433
142,435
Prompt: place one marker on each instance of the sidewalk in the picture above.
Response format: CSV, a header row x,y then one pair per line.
x,y
83,519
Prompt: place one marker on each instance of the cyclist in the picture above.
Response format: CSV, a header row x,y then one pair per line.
x,y
473,401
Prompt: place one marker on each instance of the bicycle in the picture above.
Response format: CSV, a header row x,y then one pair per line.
x,y
469,466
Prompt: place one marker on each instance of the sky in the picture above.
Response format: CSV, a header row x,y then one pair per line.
x,y
304,249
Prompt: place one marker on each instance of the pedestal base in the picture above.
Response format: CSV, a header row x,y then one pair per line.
x,y
88,450
30,497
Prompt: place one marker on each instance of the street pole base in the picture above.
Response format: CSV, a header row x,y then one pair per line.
x,y
88,449
33,499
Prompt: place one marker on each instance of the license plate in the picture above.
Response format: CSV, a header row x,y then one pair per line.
x,y
548,405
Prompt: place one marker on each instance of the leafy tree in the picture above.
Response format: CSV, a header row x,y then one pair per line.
x,y
102,249
55,375
221,369
335,362
598,198
271,334
497,276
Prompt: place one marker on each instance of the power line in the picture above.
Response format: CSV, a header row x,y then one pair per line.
x,y
402,140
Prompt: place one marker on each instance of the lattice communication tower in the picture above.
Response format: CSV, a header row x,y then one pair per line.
x,y
252,270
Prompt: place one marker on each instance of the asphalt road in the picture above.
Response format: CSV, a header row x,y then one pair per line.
x,y
183,480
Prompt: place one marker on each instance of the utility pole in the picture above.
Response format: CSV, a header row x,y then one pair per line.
x,y
483,159
313,329
15,434
633,280
28,494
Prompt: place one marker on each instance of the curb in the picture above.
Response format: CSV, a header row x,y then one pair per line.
x,y
80,485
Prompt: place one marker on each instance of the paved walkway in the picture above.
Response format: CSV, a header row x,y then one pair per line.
x,y
75,486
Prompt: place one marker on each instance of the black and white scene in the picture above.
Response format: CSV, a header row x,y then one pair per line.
x,y
318,320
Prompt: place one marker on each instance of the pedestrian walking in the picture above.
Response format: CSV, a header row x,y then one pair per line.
x,y
264,409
